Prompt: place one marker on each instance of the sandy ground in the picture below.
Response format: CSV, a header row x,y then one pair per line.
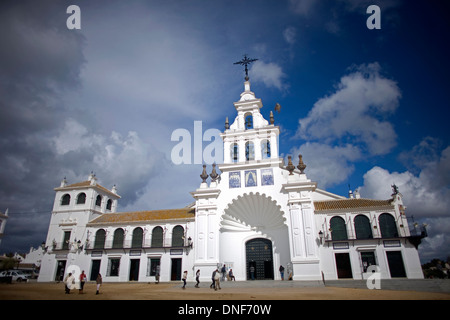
x,y
173,291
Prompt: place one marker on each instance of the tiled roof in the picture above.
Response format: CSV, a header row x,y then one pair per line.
x,y
85,184
351,204
143,216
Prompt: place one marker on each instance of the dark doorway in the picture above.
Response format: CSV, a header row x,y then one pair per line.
x,y
259,258
60,269
95,269
396,266
134,270
343,265
176,270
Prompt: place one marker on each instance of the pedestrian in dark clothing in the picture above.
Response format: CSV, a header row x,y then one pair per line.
x,y
213,284
197,278
282,272
184,279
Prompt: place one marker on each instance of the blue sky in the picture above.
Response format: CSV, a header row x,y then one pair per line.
x,y
366,108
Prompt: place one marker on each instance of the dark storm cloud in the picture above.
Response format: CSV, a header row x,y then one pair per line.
x,y
40,59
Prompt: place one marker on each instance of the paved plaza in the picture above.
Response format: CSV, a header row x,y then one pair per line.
x,y
245,290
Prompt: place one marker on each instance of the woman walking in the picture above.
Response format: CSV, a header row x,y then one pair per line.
x,y
82,281
184,279
197,278
99,283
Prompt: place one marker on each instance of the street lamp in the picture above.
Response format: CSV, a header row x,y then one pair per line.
x,y
321,236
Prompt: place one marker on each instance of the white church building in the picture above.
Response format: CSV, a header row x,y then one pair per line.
x,y
257,215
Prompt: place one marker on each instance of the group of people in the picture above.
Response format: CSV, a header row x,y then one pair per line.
x,y
71,284
216,277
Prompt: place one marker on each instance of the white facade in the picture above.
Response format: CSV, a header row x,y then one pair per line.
x,y
257,215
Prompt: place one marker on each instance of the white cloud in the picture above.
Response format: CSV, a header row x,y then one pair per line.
x,y
290,34
426,194
328,165
270,74
356,112
127,161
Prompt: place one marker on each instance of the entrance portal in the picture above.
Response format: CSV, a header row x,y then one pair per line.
x,y
259,259
176,270
134,270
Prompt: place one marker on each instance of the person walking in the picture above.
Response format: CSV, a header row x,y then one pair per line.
x,y
82,282
68,282
197,278
99,282
224,272
282,272
213,284
217,280
184,279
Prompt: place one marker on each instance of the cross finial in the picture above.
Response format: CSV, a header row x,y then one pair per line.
x,y
245,62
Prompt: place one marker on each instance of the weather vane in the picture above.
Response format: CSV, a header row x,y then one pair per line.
x,y
245,62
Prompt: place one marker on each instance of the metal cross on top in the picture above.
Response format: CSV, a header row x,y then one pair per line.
x,y
245,62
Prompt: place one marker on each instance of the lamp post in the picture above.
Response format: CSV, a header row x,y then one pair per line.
x,y
321,236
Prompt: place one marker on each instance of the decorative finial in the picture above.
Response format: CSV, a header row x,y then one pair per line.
x,y
301,165
245,62
290,167
271,118
227,124
214,174
394,189
204,175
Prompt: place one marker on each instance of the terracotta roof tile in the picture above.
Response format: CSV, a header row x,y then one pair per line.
x,y
144,216
85,184
351,204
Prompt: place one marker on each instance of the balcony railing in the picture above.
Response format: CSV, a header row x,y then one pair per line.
x,y
132,244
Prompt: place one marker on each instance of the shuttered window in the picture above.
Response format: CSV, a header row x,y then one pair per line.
x,y
363,228
388,226
338,229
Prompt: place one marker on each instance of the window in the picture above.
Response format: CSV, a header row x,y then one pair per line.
x,y
388,226
66,240
136,241
109,204
249,151
248,121
157,237
65,200
153,266
113,267
98,201
100,237
81,198
265,149
338,229
363,229
234,152
118,238
178,236
367,259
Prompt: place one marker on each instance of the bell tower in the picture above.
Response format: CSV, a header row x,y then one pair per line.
x,y
250,139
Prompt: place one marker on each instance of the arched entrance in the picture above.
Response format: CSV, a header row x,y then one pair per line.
x,y
259,259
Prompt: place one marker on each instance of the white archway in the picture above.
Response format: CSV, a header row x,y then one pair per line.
x,y
252,216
